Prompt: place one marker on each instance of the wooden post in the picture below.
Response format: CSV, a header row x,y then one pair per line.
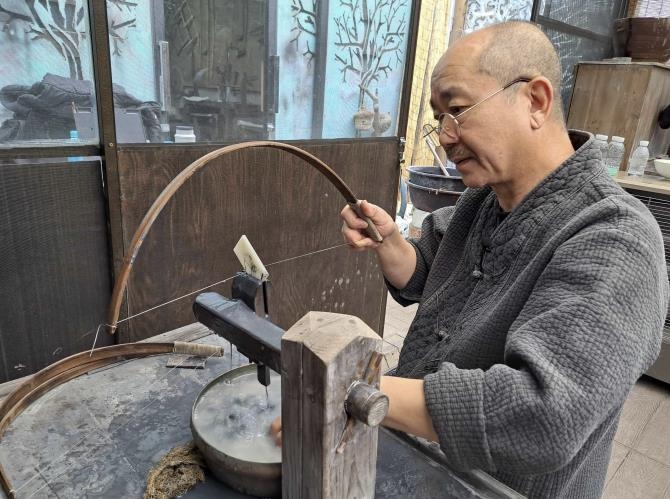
x,y
458,24
326,453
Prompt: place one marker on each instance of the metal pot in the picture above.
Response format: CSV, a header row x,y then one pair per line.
x,y
429,189
249,477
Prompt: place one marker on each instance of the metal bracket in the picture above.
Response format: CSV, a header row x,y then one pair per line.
x,y
237,321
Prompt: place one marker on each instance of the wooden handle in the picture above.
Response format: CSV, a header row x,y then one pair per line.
x,y
371,229
198,349
366,404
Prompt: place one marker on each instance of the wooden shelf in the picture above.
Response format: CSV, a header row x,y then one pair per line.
x,y
648,183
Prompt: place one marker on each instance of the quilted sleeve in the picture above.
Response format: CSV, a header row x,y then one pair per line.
x,y
592,325
432,231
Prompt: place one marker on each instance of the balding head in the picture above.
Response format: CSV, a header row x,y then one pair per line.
x,y
496,94
510,50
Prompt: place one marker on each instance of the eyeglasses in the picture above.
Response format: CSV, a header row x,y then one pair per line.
x,y
449,124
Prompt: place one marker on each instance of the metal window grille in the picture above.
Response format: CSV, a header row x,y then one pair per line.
x,y
660,208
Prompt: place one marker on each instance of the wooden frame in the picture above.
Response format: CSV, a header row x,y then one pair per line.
x,y
117,176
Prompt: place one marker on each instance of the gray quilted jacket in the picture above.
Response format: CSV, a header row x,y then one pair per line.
x,y
532,330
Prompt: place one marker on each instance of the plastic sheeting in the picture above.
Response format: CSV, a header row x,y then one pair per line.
x,y
649,8
482,13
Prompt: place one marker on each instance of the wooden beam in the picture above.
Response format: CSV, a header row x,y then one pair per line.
x,y
325,452
458,24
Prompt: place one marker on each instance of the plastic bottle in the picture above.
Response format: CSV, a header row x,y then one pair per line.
x,y
74,140
615,155
601,142
638,159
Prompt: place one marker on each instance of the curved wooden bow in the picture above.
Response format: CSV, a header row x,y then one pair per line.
x,y
162,199
69,368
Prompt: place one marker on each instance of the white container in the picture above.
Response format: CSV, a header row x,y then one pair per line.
x,y
417,221
615,155
184,134
638,159
662,167
601,142
165,132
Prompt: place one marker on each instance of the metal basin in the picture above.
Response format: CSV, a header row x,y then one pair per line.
x,y
429,189
260,479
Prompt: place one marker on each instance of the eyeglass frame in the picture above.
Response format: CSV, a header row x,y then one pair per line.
x,y
439,128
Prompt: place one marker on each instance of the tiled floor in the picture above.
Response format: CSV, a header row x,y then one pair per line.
x,y
640,461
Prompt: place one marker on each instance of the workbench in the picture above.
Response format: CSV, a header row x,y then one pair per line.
x,y
646,183
99,436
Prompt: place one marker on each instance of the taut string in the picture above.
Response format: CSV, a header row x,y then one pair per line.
x,y
191,293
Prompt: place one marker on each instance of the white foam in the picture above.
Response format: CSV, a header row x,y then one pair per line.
x,y
234,418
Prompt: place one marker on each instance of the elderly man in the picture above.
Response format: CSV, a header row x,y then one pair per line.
x,y
542,292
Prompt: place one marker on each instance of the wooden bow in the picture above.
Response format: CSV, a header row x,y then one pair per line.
x,y
69,368
162,199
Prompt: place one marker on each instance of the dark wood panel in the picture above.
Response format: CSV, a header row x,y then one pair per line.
x,y
286,209
54,269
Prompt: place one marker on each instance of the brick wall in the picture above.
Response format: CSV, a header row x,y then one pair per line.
x,y
434,26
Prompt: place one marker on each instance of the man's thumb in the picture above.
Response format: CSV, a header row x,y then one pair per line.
x,y
369,209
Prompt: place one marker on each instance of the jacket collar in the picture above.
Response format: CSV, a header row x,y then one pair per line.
x,y
504,240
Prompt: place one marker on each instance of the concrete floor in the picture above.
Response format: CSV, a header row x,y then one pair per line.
x,y
640,462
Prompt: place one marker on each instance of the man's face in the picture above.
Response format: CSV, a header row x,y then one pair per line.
x,y
487,148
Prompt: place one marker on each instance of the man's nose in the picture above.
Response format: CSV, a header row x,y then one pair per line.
x,y
447,142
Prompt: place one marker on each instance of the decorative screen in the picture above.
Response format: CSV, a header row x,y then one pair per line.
x,y
47,96
234,70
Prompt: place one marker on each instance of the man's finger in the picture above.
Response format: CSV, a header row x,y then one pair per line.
x,y
352,219
373,212
368,209
275,426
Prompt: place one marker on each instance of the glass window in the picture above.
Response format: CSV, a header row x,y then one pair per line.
x,y
580,31
47,95
480,13
234,70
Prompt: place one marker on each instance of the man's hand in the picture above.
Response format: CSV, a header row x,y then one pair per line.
x,y
407,409
397,257
275,431
353,227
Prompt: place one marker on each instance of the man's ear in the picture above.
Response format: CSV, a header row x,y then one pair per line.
x,y
541,95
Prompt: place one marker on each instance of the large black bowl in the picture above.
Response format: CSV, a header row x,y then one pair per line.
x,y
430,189
432,176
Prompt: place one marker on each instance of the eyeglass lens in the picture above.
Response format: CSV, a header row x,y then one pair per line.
x,y
448,125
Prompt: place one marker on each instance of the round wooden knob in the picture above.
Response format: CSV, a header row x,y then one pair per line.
x,y
366,403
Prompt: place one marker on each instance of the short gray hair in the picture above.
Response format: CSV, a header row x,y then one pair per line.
x,y
519,48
